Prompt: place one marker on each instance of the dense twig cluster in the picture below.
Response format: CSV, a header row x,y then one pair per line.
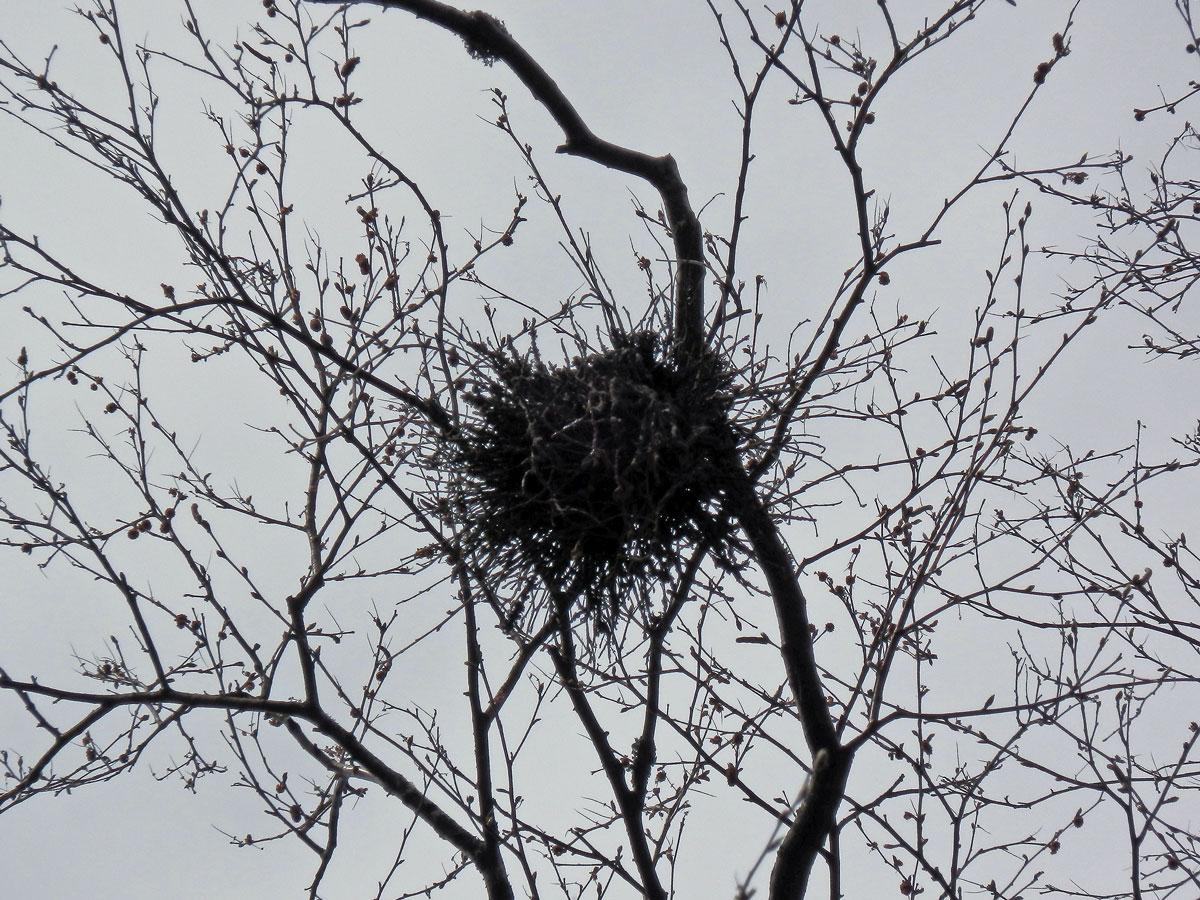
x,y
594,474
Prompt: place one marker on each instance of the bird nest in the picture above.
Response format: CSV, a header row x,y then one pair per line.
x,y
594,476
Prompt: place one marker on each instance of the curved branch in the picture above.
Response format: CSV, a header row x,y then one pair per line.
x,y
488,39
791,611
815,819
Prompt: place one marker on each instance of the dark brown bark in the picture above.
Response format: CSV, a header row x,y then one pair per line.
x,y
487,38
815,817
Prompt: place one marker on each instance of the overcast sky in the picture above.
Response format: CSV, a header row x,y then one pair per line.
x,y
645,73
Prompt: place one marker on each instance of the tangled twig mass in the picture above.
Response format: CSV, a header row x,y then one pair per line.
x,y
596,474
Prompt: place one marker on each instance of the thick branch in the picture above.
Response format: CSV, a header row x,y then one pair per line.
x,y
791,610
815,818
814,824
487,38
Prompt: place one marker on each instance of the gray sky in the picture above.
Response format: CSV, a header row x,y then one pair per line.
x,y
648,74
